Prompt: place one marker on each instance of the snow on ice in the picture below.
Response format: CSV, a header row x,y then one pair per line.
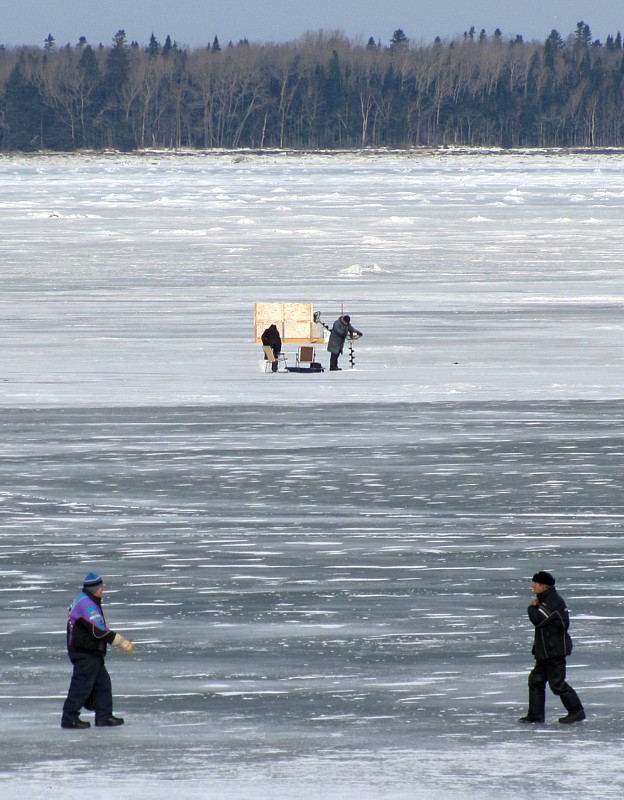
x,y
326,575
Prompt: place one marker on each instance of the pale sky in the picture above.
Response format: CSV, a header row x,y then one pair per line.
x,y
195,23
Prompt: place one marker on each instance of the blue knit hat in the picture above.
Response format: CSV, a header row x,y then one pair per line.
x,y
92,581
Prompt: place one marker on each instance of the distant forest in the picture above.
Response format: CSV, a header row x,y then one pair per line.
x,y
321,92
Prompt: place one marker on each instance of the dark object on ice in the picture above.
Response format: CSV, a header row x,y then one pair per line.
x,y
544,577
578,716
552,644
75,723
109,722
530,719
341,327
314,367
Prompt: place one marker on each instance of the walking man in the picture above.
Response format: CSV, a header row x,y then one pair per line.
x,y
549,614
341,327
87,638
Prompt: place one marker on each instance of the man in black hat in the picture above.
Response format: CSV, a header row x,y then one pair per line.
x,y
87,637
549,614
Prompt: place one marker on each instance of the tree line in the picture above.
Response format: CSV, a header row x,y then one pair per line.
x,y
321,92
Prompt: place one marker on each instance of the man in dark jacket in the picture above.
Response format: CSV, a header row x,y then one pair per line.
x,y
341,327
87,637
271,338
552,644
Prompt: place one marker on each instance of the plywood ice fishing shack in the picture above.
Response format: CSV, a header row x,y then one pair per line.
x,y
296,322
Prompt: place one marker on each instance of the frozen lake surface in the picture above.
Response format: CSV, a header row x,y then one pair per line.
x,y
327,575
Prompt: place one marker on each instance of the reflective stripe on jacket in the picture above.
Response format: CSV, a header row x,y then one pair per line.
x,y
86,626
551,620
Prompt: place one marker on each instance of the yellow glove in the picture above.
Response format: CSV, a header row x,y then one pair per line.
x,y
125,644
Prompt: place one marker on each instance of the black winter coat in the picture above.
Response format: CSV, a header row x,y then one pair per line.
x,y
551,620
271,338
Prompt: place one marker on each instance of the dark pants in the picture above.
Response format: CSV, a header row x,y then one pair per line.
x,y
553,672
333,360
275,363
90,681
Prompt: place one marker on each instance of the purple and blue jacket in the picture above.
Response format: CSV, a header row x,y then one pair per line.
x,y
86,627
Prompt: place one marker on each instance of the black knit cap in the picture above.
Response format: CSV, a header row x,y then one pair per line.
x,y
545,578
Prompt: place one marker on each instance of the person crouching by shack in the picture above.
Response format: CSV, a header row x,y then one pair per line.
x,y
549,615
87,638
271,338
340,329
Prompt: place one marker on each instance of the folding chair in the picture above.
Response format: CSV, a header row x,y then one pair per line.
x,y
305,356
270,358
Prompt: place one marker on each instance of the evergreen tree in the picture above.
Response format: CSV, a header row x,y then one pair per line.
x,y
23,111
115,79
583,35
216,47
555,40
333,85
552,45
88,64
92,96
153,48
117,66
399,39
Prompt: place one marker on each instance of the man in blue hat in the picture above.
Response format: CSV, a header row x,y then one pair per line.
x,y
87,638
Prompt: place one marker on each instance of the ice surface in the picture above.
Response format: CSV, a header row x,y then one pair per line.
x,y
326,575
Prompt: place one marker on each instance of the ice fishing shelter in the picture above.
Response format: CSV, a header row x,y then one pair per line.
x,y
296,322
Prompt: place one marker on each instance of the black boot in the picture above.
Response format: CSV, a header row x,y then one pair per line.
x,y
109,722
573,716
75,723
